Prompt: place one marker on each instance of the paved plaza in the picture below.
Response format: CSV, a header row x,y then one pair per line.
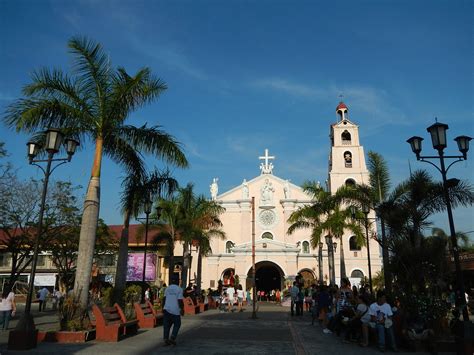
x,y
274,332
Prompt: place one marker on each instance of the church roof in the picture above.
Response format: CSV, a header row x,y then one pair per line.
x,y
341,106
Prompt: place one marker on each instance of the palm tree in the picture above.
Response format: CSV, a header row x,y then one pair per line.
x,y
325,216
138,190
94,104
460,236
205,225
170,230
374,194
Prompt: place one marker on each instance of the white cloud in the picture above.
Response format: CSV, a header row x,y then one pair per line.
x,y
291,88
372,102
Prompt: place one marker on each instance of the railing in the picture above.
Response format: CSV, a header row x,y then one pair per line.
x,y
346,142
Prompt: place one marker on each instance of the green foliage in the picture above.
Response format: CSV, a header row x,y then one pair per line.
x,y
132,294
107,296
72,315
429,307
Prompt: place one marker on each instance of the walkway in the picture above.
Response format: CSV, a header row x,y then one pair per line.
x,y
274,332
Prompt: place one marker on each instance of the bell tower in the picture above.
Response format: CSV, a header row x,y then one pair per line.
x,y
346,159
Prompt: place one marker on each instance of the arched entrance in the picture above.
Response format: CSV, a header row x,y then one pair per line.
x,y
308,277
268,276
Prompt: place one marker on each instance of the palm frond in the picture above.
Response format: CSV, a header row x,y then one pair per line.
x,y
152,140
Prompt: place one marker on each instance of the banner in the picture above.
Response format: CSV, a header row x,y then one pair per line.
x,y
135,267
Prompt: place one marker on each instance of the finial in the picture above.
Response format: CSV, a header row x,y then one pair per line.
x,y
436,119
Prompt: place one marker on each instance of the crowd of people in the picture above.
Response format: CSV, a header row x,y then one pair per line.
x,y
357,316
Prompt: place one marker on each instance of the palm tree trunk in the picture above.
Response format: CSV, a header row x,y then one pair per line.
x,y
87,236
385,259
87,241
184,272
343,261
199,271
170,260
121,270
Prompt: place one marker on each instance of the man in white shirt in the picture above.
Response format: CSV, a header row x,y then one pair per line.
x,y
172,310
381,316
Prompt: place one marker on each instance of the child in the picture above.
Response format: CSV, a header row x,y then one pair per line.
x,y
224,302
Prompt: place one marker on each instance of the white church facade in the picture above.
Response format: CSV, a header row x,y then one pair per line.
x,y
279,257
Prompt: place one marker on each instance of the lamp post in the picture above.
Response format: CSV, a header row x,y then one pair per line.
x,y
320,262
331,249
438,138
23,337
366,210
147,209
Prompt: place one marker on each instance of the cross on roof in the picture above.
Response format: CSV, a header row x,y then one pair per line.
x,y
266,167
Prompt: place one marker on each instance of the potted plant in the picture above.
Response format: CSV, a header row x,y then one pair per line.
x,y
74,325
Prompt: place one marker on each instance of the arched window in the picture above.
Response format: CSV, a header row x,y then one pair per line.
x,y
350,182
267,235
305,247
353,243
229,246
346,138
348,159
357,274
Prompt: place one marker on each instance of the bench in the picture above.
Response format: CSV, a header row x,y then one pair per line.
x,y
147,316
111,324
190,307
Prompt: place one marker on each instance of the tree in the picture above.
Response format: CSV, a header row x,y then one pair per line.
x,y
64,244
203,224
136,190
325,216
168,232
95,103
374,195
407,213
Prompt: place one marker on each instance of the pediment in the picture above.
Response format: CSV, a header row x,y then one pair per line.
x,y
254,185
345,123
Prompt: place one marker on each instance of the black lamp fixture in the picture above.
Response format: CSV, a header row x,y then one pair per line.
x,y
415,143
463,145
438,135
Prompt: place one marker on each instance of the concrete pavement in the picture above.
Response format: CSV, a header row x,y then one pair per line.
x,y
274,332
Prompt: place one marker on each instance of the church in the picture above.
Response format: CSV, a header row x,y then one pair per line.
x,y
279,257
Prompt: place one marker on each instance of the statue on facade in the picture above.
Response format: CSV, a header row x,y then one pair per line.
x,y
214,189
245,190
286,189
267,190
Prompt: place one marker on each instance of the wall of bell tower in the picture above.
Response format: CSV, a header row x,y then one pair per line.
x,y
346,159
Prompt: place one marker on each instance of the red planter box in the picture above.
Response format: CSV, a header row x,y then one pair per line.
x,y
66,337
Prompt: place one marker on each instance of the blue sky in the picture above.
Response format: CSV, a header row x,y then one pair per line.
x,y
248,75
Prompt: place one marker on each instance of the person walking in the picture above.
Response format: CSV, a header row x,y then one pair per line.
x,y
231,293
7,308
240,297
172,310
42,295
294,290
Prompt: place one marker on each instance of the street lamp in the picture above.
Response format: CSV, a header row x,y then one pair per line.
x,y
147,209
366,210
331,249
438,138
23,337
320,262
